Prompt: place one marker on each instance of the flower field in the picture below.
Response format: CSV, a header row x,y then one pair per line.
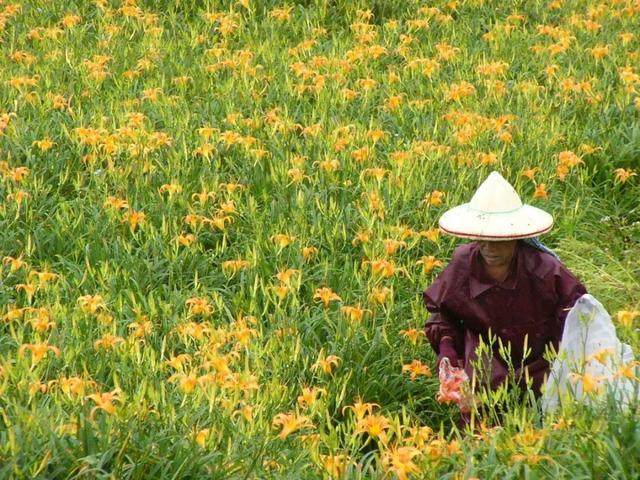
x,y
218,219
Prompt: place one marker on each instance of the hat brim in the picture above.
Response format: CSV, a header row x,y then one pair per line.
x,y
523,222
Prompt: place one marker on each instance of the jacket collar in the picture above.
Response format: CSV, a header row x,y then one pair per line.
x,y
480,281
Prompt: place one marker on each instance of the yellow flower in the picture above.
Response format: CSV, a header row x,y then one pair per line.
x,y
415,368
282,239
116,203
629,370
413,334
429,262
360,408
15,263
626,317
487,158
198,306
290,422
622,174
354,313
380,295
601,355
141,327
374,425
201,436
285,275
234,265
336,464
309,252
383,268
107,342
434,198
399,460
104,401
185,239
281,290
363,236
134,219
282,14
541,192
326,364
177,362
42,321
433,234
186,383
530,173
38,350
28,288
75,386
90,304
44,145
309,396
590,383
326,295
458,91
170,188
599,52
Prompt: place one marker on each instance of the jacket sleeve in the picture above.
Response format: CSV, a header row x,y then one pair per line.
x,y
441,323
568,289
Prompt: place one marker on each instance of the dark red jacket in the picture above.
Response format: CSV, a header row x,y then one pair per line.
x,y
533,301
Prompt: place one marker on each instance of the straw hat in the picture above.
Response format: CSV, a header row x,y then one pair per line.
x,y
495,212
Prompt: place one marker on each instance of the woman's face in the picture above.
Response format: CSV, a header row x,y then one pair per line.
x,y
497,253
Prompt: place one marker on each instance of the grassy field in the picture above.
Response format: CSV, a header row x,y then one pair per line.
x,y
217,220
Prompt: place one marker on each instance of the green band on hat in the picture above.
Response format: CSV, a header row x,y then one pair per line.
x,y
469,207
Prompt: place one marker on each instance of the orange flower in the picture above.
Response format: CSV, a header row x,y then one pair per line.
x,y
134,219
433,234
38,350
91,304
487,158
104,401
234,266
291,422
282,240
429,263
107,342
374,425
530,173
383,268
380,295
201,436
415,368
309,252
309,396
625,317
622,174
434,198
399,460
326,364
354,313
326,295
541,192
199,306
413,334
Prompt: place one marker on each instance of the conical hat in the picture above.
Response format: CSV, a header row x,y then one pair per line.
x,y
495,212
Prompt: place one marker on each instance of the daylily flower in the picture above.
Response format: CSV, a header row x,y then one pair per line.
x,y
38,350
326,295
326,364
291,422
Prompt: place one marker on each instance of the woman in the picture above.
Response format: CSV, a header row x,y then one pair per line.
x,y
504,286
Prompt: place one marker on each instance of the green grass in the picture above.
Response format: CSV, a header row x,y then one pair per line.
x,y
242,82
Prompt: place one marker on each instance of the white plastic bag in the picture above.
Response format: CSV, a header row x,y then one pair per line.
x,y
591,359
